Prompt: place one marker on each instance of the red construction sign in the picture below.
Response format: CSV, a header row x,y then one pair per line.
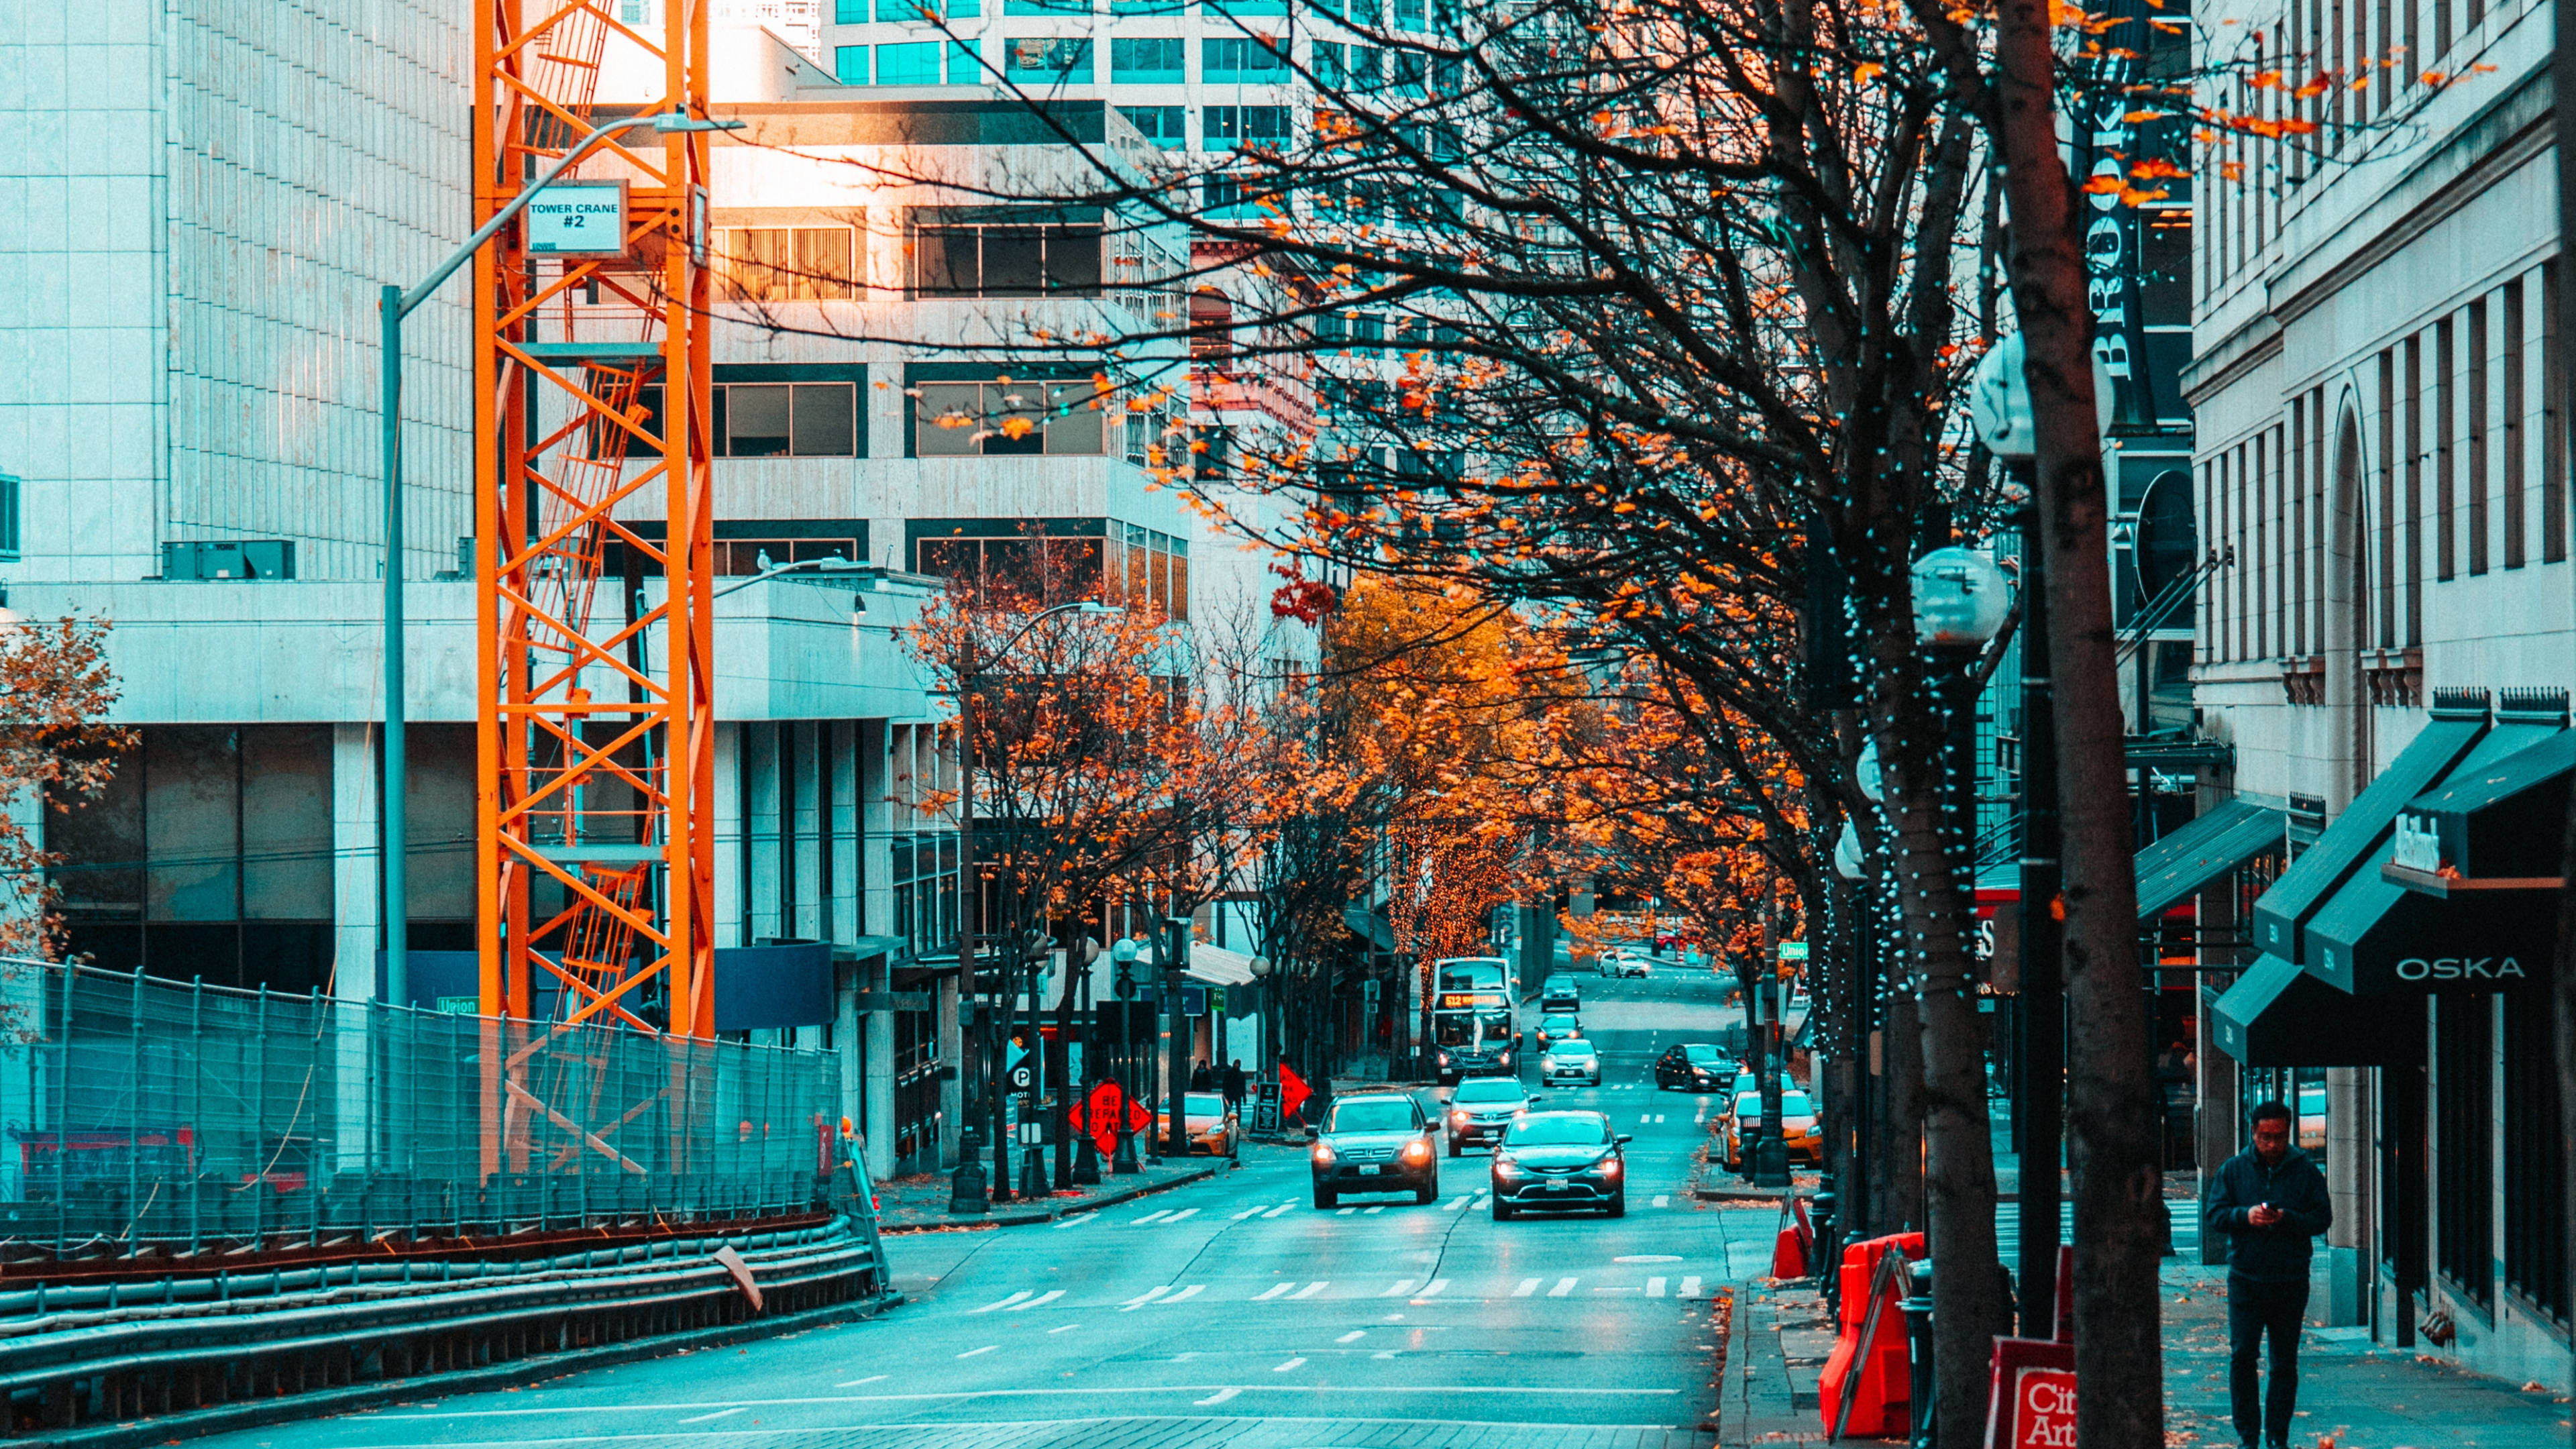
x,y
1293,1093
1096,1116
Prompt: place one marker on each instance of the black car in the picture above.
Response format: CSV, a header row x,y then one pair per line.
x,y
1481,1108
1696,1066
1560,1160
1376,1142
1558,994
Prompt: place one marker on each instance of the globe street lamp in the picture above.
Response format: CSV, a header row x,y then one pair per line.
x,y
1124,956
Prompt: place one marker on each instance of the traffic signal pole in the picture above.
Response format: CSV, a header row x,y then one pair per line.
x,y
1176,959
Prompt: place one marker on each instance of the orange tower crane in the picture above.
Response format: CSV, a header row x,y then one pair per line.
x,y
594,726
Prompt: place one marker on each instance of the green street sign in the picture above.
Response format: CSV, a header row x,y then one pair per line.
x,y
1216,1001
1793,950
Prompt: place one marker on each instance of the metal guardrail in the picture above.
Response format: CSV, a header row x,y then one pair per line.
x,y
180,1117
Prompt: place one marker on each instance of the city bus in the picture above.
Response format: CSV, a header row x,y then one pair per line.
x,y
1472,1033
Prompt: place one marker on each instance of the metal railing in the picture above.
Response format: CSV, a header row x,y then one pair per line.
x,y
141,1111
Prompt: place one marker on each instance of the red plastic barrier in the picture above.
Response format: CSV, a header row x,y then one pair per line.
x,y
1877,1374
1789,1255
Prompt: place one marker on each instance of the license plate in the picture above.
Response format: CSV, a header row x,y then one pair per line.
x,y
1369,1171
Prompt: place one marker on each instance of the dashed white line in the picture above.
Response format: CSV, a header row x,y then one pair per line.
x,y
856,1383
1176,1217
988,1348
1141,1299
718,1414
1378,1208
1219,1397
1659,1117
1434,1290
1346,1212
1068,1328
1252,1211
1456,1203
1402,1287
1310,1290
1274,1212
1076,1221
1663,1199
1192,1291
1690,1288
1147,1218
1645,1117
1290,1364
1654,1287
1562,1288
1354,1336
1384,1353
1273,1291
1049,1296
1526,1287
1004,1303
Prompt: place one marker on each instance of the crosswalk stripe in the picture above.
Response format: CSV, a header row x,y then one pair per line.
x,y
1006,1302
1176,1217
1310,1290
1043,1299
1525,1288
1690,1288
1273,1291
1645,1117
1456,1203
1659,1117
1195,1289
1290,1364
988,1348
1247,1212
1379,1208
1402,1286
1663,1199
1148,1296
1346,1212
1563,1287
1437,1285
1274,1212
1147,1218
1076,1221
1654,1287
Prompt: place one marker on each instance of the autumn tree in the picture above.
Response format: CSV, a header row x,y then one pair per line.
x,y
56,755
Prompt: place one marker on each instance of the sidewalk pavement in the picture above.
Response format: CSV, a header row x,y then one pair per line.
x,y
2359,1395
920,1203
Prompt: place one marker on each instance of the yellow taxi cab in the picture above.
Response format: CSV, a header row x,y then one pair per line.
x,y
1798,1129
1212,1127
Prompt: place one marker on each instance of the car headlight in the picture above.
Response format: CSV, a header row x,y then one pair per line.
x,y
1417,1148
1323,1155
1548,1061
1458,1119
1444,1059
1506,1167
1607,1167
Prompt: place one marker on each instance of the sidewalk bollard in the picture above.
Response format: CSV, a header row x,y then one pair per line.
x,y
1924,1396
967,1192
1086,1161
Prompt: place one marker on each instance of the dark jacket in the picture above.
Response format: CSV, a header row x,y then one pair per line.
x,y
2279,1253
1233,1080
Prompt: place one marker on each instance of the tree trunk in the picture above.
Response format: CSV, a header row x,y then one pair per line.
x,y
1900,1152
2111,1111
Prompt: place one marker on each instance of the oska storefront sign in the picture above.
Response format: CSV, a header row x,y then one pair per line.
x,y
2494,970
2378,938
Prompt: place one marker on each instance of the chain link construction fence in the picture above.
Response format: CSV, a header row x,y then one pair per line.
x,y
140,1111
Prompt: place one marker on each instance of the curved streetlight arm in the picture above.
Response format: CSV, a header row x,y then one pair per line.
x,y
827,565
663,121
1085,606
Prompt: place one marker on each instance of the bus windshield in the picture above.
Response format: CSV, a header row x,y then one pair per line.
x,y
1471,976
1470,1028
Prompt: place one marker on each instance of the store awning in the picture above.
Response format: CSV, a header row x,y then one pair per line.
x,y
2313,878
2493,827
2377,938
1218,966
2277,1015
2174,869
1369,926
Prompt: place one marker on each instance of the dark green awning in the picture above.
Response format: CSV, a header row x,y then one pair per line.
x,y
2502,820
2314,876
2176,867
2277,1015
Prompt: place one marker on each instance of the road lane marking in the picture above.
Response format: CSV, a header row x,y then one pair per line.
x,y
1346,1212
1384,1353
1659,1117
1456,1203
1648,1258
1645,1117
1147,1218
1141,1299
1252,1211
1049,1296
1402,1287
1056,1391
1527,1287
718,1414
1192,1291
1273,1291
854,1383
1310,1290
1690,1288
1290,1364
1663,1199
1068,1328
1354,1336
1274,1212
1563,1287
1076,1221
988,1348
1654,1287
1219,1397
1185,1357
1005,1303
1381,1207
1437,1284
1176,1217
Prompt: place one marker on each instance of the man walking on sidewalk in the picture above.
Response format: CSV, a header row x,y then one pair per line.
x,y
2269,1200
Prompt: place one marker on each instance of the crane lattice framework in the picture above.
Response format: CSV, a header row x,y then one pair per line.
x,y
594,725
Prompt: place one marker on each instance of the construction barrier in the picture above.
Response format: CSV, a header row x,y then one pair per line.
x,y
1866,1387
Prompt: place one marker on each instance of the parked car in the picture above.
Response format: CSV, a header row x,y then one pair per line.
x,y
1745,1082
1208,1124
1481,1108
1622,961
1375,1142
2312,1118
1557,993
1560,1160
1696,1066
1572,1063
1561,1026
1798,1128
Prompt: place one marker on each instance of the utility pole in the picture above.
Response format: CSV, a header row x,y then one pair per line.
x,y
1176,959
2042,1054
1770,1151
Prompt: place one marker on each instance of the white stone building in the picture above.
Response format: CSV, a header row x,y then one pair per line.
x,y
2382,462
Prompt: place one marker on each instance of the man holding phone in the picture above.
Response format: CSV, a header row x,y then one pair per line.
x,y
2269,1200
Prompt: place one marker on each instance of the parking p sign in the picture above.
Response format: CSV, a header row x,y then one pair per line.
x,y
578,219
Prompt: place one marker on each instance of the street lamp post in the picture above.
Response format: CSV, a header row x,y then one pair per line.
x,y
969,1190
394,304
1124,954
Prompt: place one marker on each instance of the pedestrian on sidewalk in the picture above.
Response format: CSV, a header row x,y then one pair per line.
x,y
1200,1079
2270,1201
1233,1083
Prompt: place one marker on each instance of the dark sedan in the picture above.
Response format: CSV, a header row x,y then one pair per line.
x,y
1376,1142
1556,1160
1696,1066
